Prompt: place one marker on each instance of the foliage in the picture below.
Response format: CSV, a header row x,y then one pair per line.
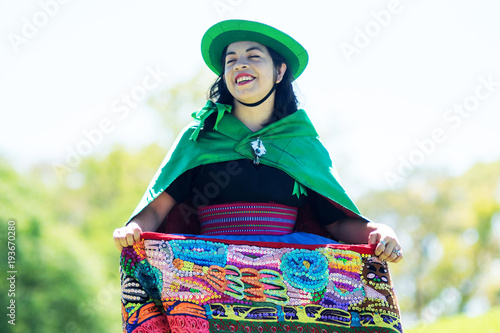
x,y
487,323
55,277
175,105
449,227
67,264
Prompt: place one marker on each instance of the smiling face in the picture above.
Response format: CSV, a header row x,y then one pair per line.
x,y
249,71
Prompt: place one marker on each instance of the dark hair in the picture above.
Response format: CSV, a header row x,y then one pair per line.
x,y
285,101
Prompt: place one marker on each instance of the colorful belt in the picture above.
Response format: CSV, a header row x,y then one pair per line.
x,y
247,219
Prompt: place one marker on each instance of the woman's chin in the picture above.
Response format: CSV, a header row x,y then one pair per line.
x,y
248,98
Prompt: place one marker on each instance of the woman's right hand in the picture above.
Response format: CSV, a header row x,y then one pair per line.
x,y
127,236
149,219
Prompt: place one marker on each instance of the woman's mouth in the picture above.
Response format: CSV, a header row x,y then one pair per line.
x,y
242,79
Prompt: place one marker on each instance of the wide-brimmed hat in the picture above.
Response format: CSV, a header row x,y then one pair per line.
x,y
224,33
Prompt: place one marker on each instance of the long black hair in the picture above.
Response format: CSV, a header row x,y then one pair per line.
x,y
285,101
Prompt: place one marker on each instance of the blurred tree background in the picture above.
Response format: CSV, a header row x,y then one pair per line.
x,y
68,265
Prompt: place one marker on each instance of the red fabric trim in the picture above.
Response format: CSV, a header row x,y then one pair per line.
x,y
360,248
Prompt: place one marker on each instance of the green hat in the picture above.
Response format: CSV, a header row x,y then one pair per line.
x,y
224,33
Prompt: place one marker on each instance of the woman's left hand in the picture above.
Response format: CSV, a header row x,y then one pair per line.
x,y
388,247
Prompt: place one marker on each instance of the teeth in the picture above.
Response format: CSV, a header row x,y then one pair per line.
x,y
244,78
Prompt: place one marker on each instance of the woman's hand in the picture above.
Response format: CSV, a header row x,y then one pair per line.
x,y
388,247
127,236
358,231
147,220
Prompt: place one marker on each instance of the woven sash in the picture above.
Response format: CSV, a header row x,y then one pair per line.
x,y
247,219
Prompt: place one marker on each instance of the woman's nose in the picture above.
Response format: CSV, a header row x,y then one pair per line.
x,y
240,64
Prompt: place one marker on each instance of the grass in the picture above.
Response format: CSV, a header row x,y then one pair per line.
x,y
487,323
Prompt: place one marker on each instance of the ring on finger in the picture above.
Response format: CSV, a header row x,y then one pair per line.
x,y
396,251
383,242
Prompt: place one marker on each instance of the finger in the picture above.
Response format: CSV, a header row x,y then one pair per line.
x,y
399,254
383,256
137,235
116,238
373,238
123,239
130,239
387,252
381,247
118,244
120,238
393,256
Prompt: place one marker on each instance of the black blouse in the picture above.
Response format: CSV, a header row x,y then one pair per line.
x,y
244,181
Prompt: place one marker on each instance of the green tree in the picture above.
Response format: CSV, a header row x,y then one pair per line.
x,y
448,226
56,278
175,104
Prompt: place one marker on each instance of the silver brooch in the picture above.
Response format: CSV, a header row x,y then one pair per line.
x,y
258,149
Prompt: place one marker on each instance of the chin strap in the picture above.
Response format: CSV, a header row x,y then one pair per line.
x,y
262,100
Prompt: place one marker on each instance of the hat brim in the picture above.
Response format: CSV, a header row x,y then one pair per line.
x,y
224,33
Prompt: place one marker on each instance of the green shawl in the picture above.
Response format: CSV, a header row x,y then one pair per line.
x,y
292,145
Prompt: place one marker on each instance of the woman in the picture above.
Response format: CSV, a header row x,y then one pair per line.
x,y
256,65
251,168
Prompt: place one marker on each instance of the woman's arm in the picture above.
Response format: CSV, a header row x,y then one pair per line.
x,y
359,231
149,219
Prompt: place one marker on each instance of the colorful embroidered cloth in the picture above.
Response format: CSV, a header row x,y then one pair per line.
x,y
173,283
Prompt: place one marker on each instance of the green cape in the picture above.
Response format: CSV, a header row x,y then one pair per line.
x,y
292,145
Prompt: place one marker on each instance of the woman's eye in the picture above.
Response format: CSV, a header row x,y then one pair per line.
x,y
230,61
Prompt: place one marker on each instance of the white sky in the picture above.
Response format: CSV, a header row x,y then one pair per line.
x,y
66,75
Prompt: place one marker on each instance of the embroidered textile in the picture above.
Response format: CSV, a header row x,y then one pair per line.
x,y
173,283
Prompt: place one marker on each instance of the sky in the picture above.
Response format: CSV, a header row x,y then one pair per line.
x,y
391,86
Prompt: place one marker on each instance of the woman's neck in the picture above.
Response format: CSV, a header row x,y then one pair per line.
x,y
254,117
